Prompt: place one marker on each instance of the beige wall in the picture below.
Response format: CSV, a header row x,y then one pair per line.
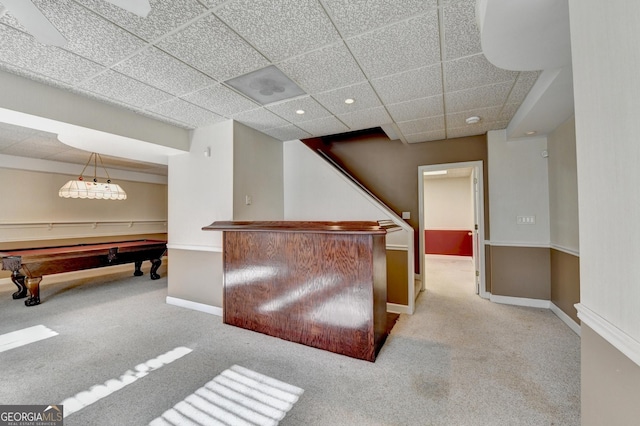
x,y
449,204
258,174
563,217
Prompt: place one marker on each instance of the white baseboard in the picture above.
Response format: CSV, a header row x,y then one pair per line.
x,y
565,318
521,301
183,303
394,308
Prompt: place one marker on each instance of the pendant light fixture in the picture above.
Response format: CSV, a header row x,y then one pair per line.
x,y
93,190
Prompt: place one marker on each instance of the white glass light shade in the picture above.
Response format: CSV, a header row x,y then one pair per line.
x,y
92,190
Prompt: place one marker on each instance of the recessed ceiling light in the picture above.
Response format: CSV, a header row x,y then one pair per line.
x,y
349,101
531,133
473,120
300,111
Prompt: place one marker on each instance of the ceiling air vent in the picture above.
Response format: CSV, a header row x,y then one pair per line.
x,y
266,85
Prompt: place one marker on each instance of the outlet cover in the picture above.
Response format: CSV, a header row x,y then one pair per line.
x,y
406,215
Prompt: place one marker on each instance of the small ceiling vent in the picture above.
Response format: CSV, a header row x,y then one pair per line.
x,y
266,85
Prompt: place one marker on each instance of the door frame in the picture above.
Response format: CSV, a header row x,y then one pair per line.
x,y
478,199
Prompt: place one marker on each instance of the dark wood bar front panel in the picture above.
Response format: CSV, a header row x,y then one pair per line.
x,y
316,283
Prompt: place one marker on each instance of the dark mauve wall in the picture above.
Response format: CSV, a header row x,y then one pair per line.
x,y
389,169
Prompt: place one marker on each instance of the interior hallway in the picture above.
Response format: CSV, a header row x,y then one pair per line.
x,y
459,360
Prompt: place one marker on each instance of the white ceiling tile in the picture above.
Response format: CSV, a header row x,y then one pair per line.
x,y
287,133
186,112
323,69
478,97
212,47
524,83
287,109
486,115
423,125
508,111
165,16
366,118
158,69
436,135
20,50
461,132
11,134
356,16
497,125
323,126
474,71
362,93
88,34
461,34
378,54
280,28
417,108
221,100
406,86
119,87
260,119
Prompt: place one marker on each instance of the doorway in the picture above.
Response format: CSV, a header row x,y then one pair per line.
x,y
473,171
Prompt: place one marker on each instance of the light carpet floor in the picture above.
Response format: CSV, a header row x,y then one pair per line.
x,y
459,360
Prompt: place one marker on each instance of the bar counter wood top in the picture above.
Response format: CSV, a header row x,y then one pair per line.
x,y
322,284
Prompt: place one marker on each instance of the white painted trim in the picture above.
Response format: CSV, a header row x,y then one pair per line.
x,y
194,248
478,166
395,308
609,332
183,303
521,301
518,244
399,247
565,318
565,250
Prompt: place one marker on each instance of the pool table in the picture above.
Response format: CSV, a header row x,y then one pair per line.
x,y
29,265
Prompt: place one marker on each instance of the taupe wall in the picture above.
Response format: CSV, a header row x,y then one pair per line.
x,y
520,272
390,168
565,282
610,383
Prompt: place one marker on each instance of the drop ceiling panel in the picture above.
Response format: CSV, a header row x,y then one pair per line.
x,y
287,109
260,119
324,69
378,54
287,133
423,125
409,85
478,97
157,68
366,118
88,34
357,16
126,90
22,51
461,34
417,108
362,93
523,85
186,112
486,115
426,137
323,126
280,28
474,71
165,16
213,48
221,100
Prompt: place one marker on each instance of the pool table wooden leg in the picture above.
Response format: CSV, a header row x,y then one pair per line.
x,y
33,285
155,264
138,272
18,280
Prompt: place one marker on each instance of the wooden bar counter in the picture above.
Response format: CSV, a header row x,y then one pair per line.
x,y
322,284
